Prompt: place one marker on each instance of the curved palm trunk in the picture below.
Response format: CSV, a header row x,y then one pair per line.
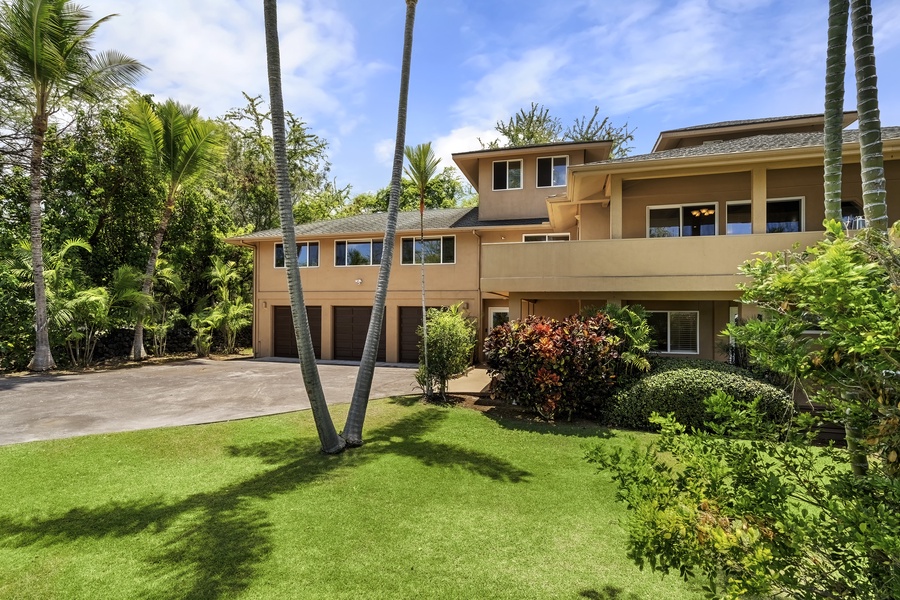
x,y
43,357
835,69
353,427
137,349
871,157
328,437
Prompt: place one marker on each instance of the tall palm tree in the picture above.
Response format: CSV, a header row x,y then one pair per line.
x,y
357,415
328,437
871,156
420,169
182,147
835,68
45,50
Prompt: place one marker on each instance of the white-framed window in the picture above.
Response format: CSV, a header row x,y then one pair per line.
x,y
852,215
551,171
545,237
349,253
784,215
307,254
508,174
432,250
682,220
738,218
675,331
497,316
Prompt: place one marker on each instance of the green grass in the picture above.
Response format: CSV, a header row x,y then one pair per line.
x,y
440,503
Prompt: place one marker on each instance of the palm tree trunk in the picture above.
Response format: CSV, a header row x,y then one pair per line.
x,y
357,415
137,349
871,157
43,357
328,437
835,68
428,390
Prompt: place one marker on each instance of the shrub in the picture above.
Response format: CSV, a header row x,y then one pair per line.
x,y
680,386
554,367
451,340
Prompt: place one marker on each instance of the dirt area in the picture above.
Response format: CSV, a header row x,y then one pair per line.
x,y
112,364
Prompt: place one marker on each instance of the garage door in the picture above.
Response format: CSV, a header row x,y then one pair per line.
x,y
351,323
410,320
284,340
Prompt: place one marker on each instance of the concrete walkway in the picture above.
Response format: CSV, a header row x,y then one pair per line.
x,y
51,406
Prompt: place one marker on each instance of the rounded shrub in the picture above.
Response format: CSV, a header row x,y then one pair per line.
x,y
680,386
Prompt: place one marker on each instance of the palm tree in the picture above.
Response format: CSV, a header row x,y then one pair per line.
x,y
183,147
357,415
835,68
328,437
421,169
871,157
45,49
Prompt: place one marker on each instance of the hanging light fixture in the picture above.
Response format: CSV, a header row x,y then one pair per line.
x,y
703,212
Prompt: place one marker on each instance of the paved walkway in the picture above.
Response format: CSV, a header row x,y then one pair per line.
x,y
50,406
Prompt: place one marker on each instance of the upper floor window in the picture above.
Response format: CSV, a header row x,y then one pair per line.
x,y
689,220
508,174
431,250
545,237
675,331
784,215
737,218
852,215
551,171
307,254
357,252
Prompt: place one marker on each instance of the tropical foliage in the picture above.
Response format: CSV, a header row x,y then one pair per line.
x,y
450,345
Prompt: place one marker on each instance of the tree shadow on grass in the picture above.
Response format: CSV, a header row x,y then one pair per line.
x,y
609,592
215,541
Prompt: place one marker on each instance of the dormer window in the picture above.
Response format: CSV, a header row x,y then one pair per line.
x,y
551,171
508,175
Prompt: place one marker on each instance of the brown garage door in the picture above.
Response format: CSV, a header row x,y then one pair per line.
x,y
410,320
283,336
351,323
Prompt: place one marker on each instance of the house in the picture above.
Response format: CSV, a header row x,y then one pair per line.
x,y
561,226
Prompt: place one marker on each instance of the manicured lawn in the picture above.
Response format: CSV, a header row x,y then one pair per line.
x,y
440,503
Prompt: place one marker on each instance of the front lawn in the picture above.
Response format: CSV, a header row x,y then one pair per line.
x,y
440,503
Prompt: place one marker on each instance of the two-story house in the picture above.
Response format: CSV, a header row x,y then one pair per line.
x,y
561,226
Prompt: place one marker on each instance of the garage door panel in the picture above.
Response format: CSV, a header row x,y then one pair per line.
x,y
351,324
284,341
410,321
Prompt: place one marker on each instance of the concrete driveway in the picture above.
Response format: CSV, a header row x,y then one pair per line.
x,y
42,407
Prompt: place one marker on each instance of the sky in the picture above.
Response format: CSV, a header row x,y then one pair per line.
x,y
653,64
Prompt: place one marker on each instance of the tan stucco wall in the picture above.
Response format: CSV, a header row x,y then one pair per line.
x,y
594,222
528,202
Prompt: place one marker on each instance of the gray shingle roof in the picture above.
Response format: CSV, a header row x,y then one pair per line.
x,y
742,123
755,143
435,219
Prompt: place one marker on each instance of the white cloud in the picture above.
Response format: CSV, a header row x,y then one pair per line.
x,y
384,151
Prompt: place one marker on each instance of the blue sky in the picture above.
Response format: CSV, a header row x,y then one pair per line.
x,y
655,64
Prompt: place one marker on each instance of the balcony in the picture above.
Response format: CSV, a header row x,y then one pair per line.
x,y
697,264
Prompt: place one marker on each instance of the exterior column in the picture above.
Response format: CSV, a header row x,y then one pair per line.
x,y
758,195
615,207
515,306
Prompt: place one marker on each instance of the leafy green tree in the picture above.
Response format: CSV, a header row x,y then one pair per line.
x,y
183,147
328,437
450,346
420,169
537,126
45,52
444,190
356,416
231,312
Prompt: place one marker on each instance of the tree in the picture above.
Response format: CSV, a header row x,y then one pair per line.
x,y
451,344
536,126
444,190
45,51
835,68
357,414
328,437
421,167
182,147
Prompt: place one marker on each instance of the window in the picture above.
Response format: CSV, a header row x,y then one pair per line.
x,y
784,216
546,237
675,332
737,217
357,252
551,171
690,220
434,250
508,175
307,254
852,215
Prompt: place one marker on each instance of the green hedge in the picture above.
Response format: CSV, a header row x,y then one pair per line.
x,y
681,385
